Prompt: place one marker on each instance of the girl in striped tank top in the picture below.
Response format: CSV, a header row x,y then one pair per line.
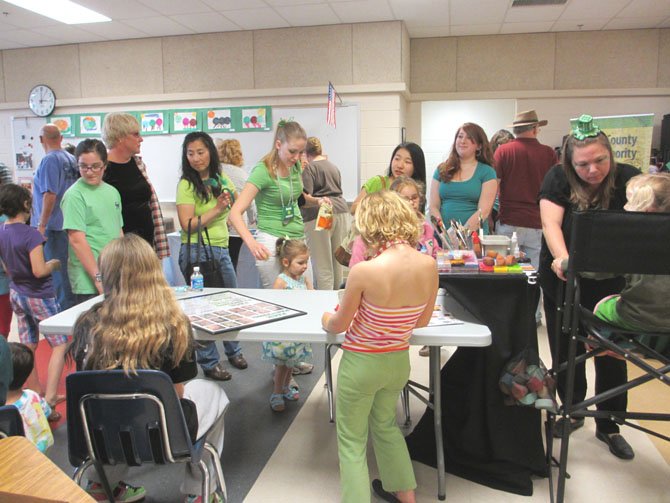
x,y
384,300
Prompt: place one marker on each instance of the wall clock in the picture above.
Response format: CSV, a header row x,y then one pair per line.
x,y
42,100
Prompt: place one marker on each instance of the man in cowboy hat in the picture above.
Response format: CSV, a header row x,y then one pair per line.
x,y
521,165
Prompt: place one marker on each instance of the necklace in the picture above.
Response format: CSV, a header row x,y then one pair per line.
x,y
388,245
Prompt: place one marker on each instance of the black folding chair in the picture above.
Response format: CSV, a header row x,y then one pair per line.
x,y
616,242
11,424
113,418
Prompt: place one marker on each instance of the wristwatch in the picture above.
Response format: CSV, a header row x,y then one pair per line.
x,y
98,277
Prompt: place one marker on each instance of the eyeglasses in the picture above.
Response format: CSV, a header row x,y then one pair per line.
x,y
95,167
412,198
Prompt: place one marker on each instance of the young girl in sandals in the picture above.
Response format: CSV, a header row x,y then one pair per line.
x,y
293,257
385,298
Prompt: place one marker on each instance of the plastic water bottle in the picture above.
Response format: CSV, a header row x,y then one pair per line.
x,y
197,281
514,246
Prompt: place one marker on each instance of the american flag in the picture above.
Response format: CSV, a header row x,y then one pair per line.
x,y
330,114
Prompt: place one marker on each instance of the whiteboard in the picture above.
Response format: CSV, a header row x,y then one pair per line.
x,y
162,153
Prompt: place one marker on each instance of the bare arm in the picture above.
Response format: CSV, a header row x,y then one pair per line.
x,y
245,198
357,201
430,305
40,268
48,204
179,388
485,205
310,200
552,218
84,254
351,300
435,202
279,284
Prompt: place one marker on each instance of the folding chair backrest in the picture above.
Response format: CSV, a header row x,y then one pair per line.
x,y
620,242
131,420
11,424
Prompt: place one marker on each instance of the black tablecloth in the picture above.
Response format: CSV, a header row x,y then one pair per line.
x,y
486,441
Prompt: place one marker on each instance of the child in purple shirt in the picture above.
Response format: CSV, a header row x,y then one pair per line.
x,y
31,290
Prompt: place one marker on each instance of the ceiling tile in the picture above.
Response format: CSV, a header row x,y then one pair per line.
x,y
30,38
206,22
114,30
22,18
282,3
120,9
173,7
646,8
71,34
475,29
160,26
665,24
421,12
363,11
534,13
224,5
429,31
537,27
633,23
585,10
257,19
309,15
464,12
590,25
8,44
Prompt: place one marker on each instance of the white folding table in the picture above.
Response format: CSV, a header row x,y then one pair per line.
x,y
307,328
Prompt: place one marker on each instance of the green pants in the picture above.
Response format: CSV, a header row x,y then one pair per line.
x,y
368,387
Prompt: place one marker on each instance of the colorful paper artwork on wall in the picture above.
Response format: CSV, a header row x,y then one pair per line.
x,y
89,124
153,122
220,119
64,124
185,121
255,118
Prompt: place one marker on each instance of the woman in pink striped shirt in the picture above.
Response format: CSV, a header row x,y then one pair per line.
x,y
385,299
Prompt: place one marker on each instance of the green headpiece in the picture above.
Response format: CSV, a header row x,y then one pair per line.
x,y
585,128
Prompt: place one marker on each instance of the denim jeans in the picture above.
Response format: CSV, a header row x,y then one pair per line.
x,y
56,246
207,355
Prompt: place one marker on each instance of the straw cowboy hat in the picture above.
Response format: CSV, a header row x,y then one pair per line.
x,y
527,118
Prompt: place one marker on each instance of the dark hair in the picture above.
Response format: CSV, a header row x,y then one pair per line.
x,y
69,148
418,160
23,361
14,199
449,168
191,175
290,249
91,145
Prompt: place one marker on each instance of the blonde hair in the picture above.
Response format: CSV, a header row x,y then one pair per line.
x,y
286,130
140,322
289,249
649,192
313,147
230,152
117,125
384,216
404,181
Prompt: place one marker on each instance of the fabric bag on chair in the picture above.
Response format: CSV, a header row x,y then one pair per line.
x,y
210,268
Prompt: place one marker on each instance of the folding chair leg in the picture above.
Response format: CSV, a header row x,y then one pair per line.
x,y
216,459
104,481
567,406
79,471
204,470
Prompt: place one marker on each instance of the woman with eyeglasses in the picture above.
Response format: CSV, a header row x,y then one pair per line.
x,y
204,191
92,218
127,173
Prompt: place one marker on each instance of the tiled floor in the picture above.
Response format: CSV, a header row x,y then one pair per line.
x,y
305,467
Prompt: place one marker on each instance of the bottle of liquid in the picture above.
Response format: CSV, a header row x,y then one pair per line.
x,y
514,246
197,281
476,245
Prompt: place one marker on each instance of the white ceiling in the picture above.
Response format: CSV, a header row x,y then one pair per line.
x,y
424,18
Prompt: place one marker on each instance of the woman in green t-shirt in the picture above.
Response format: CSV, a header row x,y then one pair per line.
x,y
203,191
407,160
275,184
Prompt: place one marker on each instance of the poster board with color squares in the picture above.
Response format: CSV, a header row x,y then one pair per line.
x,y
65,124
89,125
185,121
153,122
219,120
255,119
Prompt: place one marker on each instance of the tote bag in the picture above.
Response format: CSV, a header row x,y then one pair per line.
x,y
209,267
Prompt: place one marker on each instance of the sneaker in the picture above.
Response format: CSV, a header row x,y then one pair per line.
x,y
122,492
424,351
303,368
196,498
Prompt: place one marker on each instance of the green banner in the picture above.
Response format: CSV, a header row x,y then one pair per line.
x,y
630,137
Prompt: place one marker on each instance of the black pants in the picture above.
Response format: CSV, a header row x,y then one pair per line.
x,y
610,372
234,246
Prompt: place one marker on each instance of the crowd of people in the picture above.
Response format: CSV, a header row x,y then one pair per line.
x,y
93,225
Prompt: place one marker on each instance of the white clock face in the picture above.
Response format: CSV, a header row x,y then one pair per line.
x,y
42,100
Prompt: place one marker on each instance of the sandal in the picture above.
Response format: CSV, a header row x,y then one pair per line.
x,y
54,417
291,393
277,402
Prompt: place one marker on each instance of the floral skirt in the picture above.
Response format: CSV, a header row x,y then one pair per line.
x,y
286,353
